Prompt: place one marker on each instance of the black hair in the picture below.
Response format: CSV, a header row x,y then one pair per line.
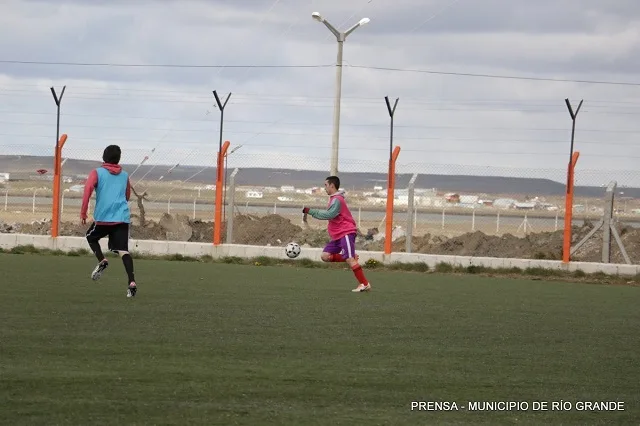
x,y
112,154
335,180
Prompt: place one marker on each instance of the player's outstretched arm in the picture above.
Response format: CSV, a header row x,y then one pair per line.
x,y
330,213
89,186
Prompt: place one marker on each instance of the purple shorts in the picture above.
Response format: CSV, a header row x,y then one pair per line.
x,y
345,246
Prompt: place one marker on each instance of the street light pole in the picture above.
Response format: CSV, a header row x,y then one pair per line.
x,y
337,100
340,38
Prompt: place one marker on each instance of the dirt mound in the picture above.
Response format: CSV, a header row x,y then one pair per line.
x,y
201,231
540,246
265,230
37,227
591,251
543,245
177,227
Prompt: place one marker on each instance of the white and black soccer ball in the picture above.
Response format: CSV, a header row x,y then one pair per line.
x,y
292,250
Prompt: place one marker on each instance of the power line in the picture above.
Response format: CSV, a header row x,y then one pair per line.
x,y
386,149
427,139
368,67
300,123
497,76
306,104
280,98
434,15
4,91
131,65
376,99
465,106
358,136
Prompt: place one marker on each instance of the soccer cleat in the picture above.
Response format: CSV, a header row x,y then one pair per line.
x,y
97,273
361,288
131,291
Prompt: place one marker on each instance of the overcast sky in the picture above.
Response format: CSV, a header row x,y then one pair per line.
x,y
283,116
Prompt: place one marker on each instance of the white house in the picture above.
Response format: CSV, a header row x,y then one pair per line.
x,y
529,205
4,177
504,203
469,199
254,194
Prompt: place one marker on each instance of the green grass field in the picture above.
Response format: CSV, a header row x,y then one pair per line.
x,y
207,343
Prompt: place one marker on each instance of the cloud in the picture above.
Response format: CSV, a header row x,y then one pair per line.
x,y
283,116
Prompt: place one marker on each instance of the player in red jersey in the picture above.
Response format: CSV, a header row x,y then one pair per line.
x,y
342,230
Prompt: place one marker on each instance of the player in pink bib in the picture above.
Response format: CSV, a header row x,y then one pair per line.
x,y
342,231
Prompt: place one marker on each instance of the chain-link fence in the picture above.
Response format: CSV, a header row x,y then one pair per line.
x,y
450,200
508,212
448,209
26,188
267,203
451,209
26,185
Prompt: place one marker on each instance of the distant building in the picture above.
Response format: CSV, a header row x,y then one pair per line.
x,y
4,177
469,199
504,203
525,206
452,197
254,194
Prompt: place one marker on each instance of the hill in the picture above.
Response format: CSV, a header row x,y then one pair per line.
x,y
23,167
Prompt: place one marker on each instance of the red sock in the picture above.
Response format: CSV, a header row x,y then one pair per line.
x,y
336,258
357,271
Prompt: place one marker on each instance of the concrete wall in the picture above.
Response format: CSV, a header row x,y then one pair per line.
x,y
8,241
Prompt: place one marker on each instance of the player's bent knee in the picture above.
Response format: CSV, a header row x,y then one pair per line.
x,y
326,257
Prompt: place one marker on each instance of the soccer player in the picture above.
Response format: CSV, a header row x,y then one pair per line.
x,y
342,230
111,214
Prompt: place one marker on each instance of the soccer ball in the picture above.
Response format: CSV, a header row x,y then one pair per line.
x,y
292,250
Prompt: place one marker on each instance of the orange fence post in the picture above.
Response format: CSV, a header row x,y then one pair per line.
x,y
568,209
390,196
217,221
57,182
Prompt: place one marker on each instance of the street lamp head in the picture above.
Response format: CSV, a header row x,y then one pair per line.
x,y
317,16
360,23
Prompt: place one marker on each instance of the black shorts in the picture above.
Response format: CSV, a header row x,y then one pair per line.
x,y
118,235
